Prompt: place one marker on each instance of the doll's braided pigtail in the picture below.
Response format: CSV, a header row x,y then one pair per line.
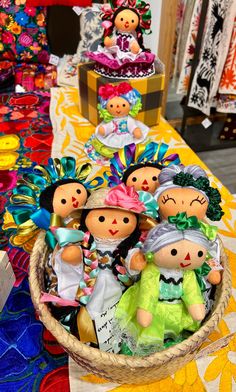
x,y
91,270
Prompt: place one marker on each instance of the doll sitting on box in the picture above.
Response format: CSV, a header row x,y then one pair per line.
x,y
119,105
123,54
167,301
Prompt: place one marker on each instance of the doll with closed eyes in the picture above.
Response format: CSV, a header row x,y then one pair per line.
x,y
167,301
187,189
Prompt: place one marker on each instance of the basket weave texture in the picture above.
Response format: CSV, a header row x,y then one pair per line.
x,y
120,368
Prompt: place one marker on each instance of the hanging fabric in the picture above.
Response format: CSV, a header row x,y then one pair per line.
x,y
220,20
228,78
189,48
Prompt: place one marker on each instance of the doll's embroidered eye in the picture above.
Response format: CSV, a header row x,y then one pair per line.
x,y
200,253
134,179
132,20
124,105
154,178
78,191
101,218
63,201
173,252
126,220
201,201
121,19
111,106
166,198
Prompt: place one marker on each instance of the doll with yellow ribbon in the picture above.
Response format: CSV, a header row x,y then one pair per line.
x,y
167,302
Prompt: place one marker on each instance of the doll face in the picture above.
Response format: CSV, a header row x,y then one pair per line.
x,y
144,179
118,107
191,201
68,197
183,254
110,223
127,21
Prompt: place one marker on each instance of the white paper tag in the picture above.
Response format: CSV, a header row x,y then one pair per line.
x,y
103,324
206,123
19,89
54,60
78,10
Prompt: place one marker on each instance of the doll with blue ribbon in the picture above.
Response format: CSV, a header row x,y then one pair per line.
x,y
94,270
167,302
58,188
118,106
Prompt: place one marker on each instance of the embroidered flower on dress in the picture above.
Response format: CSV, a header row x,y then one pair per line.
x,y
21,18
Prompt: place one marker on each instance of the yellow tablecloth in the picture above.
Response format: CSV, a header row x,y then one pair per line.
x,y
214,372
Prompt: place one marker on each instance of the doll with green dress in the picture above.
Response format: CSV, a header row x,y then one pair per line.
x,y
167,301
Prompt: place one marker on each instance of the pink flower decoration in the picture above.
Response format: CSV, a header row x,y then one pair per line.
x,y
5,3
125,197
25,39
31,11
8,180
3,201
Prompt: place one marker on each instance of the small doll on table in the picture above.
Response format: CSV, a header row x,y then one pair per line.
x,y
106,260
187,189
123,54
119,105
167,301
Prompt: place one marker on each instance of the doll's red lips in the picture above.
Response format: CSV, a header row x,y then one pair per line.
x,y
145,188
184,265
118,111
75,204
113,232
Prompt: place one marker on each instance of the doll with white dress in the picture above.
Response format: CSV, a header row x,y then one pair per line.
x,y
118,106
123,54
104,255
167,301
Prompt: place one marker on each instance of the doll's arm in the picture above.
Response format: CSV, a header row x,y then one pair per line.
x,y
134,46
105,129
134,129
109,42
192,296
72,254
135,262
148,295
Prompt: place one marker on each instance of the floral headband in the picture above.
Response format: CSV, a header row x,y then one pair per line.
x,y
214,211
135,154
123,90
126,197
140,6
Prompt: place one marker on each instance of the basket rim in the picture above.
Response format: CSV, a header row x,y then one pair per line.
x,y
69,341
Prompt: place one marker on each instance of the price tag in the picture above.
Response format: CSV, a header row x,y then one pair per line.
x,y
103,324
206,123
78,10
54,60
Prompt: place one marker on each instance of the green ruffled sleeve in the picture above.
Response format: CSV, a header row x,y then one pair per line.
x,y
192,293
149,289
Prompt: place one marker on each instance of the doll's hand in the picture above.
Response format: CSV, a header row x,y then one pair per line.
x,y
134,47
214,277
197,312
138,262
72,255
101,130
137,133
108,42
144,318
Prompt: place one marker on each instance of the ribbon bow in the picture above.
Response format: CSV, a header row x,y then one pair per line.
x,y
150,204
125,197
209,230
66,236
182,222
109,91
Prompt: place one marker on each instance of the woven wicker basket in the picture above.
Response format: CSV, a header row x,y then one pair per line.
x,y
120,368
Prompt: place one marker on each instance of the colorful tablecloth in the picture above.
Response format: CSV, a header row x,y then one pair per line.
x,y
214,372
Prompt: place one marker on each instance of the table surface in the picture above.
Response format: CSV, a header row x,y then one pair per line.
x,y
215,372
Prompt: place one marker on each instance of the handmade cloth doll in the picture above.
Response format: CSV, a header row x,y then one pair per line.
x,y
123,54
110,218
167,301
140,165
118,107
187,189
57,188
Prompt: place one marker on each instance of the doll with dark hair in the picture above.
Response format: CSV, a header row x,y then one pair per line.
x,y
123,54
59,188
140,165
110,258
